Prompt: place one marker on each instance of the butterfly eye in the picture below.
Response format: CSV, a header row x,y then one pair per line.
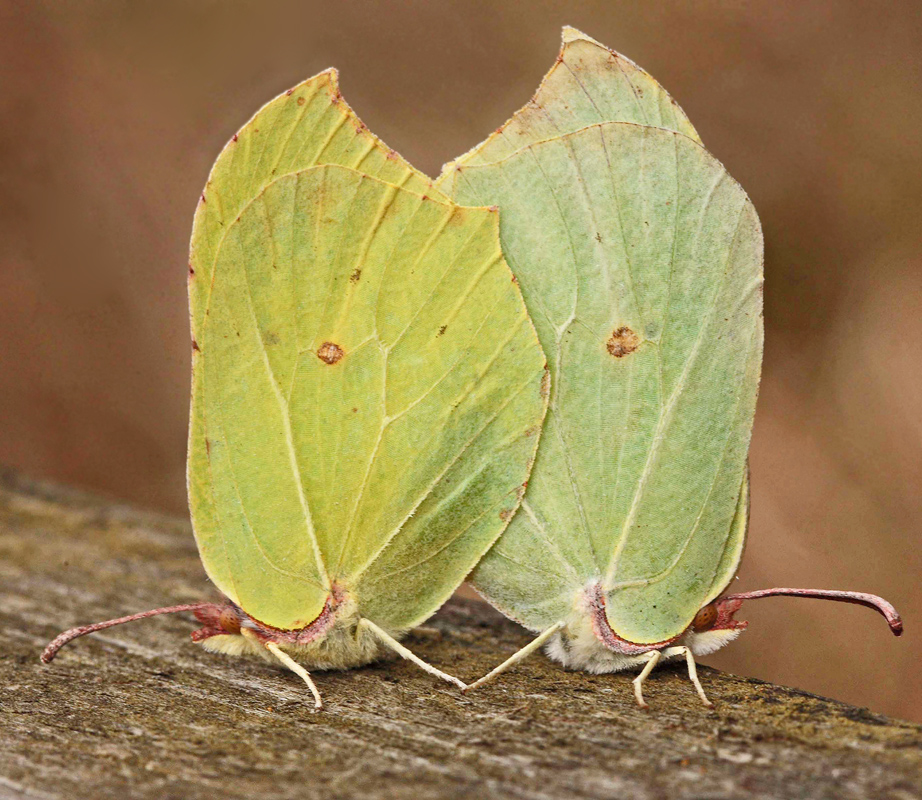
x,y
229,622
705,619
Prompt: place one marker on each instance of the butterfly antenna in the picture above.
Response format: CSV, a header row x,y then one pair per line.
x,y
860,598
52,649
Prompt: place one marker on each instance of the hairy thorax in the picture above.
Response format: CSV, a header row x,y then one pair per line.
x,y
335,640
587,642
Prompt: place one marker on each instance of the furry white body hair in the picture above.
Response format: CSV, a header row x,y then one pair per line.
x,y
345,644
577,646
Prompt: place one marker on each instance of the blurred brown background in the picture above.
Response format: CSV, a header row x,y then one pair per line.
x,y
111,114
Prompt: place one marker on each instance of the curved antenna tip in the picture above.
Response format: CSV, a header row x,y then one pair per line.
x,y
59,641
885,609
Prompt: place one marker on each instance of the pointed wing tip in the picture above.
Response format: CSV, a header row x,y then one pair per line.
x,y
330,75
573,35
569,34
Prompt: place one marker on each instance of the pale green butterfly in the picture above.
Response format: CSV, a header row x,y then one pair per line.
x,y
368,391
640,260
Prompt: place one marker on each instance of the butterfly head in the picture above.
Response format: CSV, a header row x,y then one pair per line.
x,y
719,614
714,626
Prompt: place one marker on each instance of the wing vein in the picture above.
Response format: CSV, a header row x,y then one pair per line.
x,y
666,415
284,412
444,472
666,571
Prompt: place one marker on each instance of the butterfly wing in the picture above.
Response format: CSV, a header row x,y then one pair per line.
x,y
308,125
370,374
640,259
532,576
263,495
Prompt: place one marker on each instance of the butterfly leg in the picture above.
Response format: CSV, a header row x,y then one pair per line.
x,y
652,658
692,669
297,669
402,651
517,656
289,662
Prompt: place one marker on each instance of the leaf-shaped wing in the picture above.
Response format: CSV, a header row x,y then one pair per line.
x,y
370,400
640,260
308,125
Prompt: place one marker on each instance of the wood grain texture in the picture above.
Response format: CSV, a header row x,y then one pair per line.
x,y
141,712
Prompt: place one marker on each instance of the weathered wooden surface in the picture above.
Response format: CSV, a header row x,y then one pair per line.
x,y
140,712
